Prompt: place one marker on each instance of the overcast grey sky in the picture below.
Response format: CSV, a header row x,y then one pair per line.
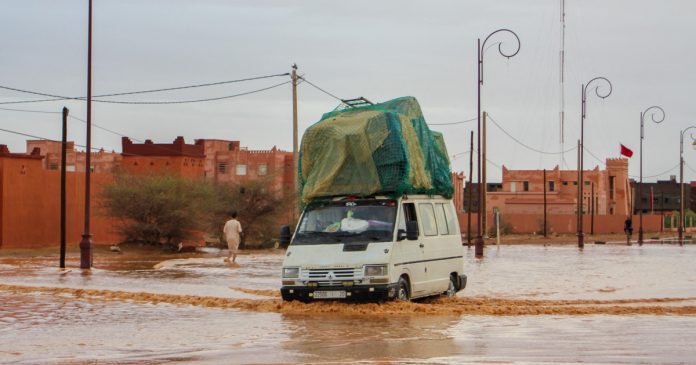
x,y
376,49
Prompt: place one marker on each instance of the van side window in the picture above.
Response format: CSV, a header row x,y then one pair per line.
x,y
451,219
409,214
427,219
440,218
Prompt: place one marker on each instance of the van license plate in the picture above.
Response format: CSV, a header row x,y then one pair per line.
x,y
329,294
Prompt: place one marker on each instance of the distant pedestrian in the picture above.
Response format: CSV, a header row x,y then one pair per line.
x,y
232,232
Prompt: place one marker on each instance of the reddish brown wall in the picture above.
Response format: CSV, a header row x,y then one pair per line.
x,y
530,223
30,207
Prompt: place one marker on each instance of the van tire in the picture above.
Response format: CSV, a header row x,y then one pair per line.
x,y
452,288
403,293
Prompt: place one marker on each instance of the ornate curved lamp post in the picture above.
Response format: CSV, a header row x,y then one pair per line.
x,y
581,235
481,197
654,110
681,182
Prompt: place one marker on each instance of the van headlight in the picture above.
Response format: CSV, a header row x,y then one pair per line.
x,y
291,272
375,270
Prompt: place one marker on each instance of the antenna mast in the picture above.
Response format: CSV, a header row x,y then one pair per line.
x,y
561,55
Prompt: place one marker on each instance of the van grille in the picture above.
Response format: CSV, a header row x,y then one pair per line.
x,y
332,277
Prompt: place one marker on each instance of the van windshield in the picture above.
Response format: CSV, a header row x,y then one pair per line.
x,y
347,221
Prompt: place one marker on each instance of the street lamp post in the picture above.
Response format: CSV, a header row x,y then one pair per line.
x,y
581,235
661,117
681,183
481,197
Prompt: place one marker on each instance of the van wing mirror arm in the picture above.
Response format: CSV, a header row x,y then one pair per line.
x,y
401,235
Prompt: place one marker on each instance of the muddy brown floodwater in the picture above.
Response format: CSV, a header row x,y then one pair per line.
x,y
523,304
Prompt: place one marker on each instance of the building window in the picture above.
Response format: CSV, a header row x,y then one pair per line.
x,y
513,186
263,169
565,183
70,168
222,167
611,187
241,169
53,166
525,185
575,183
587,183
552,186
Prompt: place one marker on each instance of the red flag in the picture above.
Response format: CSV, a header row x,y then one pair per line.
x,y
626,151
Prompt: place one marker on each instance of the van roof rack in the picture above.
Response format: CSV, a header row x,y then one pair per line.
x,y
353,103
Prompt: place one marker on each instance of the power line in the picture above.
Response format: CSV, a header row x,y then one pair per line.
x,y
44,138
660,174
320,89
461,122
69,116
527,146
60,97
30,111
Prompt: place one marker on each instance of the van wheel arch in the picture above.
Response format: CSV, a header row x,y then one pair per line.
x,y
453,285
405,281
454,277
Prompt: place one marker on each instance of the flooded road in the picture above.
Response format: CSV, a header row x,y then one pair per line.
x,y
523,304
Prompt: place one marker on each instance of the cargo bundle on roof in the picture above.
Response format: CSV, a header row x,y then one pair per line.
x,y
385,149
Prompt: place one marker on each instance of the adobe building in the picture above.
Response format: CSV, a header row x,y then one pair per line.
x,y
177,158
458,195
663,196
101,161
523,191
226,161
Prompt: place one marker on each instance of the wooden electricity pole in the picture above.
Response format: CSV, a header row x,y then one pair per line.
x,y
471,187
484,183
545,203
63,148
295,155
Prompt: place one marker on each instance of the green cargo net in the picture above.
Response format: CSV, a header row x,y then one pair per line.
x,y
385,149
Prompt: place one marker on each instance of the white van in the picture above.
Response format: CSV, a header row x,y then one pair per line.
x,y
375,248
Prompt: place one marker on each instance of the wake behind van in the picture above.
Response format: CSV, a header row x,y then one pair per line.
x,y
377,248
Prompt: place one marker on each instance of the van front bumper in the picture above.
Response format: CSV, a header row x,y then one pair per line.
x,y
358,292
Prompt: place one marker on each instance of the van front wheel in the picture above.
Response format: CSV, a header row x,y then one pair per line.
x,y
402,292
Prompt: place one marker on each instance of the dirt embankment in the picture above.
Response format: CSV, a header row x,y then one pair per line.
x,y
437,306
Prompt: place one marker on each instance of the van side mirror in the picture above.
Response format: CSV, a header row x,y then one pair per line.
x,y
285,236
412,230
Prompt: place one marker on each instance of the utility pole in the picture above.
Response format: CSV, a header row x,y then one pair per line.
x,y
86,243
63,153
545,202
295,155
484,184
471,179
662,212
592,209
581,242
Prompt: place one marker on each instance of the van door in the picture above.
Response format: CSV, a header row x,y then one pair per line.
x,y
442,244
409,255
431,246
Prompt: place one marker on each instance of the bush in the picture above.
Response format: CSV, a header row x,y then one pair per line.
x,y
259,209
158,210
